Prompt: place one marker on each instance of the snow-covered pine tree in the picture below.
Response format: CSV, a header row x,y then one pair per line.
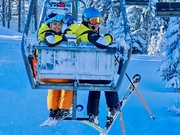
x,y
93,3
137,21
156,36
114,21
157,28
170,67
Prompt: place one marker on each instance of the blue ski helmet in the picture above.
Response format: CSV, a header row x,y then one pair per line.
x,y
55,17
90,13
71,21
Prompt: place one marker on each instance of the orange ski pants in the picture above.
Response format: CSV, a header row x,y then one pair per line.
x,y
59,99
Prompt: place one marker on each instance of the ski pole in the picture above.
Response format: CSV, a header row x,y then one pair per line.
x,y
122,123
152,116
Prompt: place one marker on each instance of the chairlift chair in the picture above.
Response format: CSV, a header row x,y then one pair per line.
x,y
137,2
71,66
102,75
167,9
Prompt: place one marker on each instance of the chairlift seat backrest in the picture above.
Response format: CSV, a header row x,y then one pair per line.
x,y
55,8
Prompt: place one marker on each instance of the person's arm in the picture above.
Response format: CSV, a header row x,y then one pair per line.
x,y
52,38
99,41
72,29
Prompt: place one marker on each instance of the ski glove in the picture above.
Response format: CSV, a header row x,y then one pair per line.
x,y
52,39
109,38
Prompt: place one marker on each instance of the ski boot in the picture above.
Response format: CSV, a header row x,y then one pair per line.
x,y
62,113
93,119
111,115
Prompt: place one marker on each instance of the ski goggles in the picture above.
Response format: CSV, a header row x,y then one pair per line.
x,y
95,21
57,18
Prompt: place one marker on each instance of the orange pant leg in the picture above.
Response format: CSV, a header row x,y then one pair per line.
x,y
34,63
66,99
53,99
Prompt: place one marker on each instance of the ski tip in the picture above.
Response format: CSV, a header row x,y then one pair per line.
x,y
43,125
137,77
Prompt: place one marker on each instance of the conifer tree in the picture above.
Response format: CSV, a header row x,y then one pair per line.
x,y
170,67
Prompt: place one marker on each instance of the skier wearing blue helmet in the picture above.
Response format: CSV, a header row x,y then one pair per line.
x,y
50,30
88,31
90,13
59,102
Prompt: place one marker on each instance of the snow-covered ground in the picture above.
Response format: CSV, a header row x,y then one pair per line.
x,y
22,109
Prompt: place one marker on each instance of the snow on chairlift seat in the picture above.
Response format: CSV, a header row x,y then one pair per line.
x,y
71,65
167,9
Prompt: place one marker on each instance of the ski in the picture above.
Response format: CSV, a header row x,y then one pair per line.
x,y
98,128
106,130
133,83
53,122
